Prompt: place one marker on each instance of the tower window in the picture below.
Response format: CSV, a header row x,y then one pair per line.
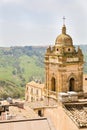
x,y
57,49
68,49
71,84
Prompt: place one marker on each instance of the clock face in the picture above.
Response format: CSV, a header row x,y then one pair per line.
x,y
72,59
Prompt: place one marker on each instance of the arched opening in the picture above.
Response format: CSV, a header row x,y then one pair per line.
x,y
71,84
53,84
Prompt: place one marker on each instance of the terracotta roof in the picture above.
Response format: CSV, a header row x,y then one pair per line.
x,y
78,113
16,113
25,113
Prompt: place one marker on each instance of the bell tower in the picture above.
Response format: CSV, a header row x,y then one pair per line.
x,y
64,65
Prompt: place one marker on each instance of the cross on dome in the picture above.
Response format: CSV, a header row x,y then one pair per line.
x,y
64,20
64,27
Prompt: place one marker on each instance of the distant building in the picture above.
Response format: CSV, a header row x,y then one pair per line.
x,y
34,91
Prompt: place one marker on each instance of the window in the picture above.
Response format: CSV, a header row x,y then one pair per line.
x,y
31,90
57,49
68,49
31,99
37,92
39,113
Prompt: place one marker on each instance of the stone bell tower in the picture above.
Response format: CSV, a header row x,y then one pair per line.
x,y
64,65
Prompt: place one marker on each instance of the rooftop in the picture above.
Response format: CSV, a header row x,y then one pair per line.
x,y
47,102
78,113
16,111
36,85
29,124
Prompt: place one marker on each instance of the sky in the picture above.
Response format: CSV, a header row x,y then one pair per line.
x,y
39,22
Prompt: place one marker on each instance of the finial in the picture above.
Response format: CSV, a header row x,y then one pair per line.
x,y
64,20
64,27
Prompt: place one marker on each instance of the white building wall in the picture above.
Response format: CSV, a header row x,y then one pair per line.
x,y
33,93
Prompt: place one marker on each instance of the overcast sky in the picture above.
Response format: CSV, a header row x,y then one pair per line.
x,y
39,22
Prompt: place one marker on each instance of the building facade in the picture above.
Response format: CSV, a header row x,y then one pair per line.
x,y
34,91
64,65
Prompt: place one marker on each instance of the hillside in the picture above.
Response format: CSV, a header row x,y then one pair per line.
x,y
19,65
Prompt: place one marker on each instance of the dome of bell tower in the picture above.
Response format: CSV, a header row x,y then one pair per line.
x,y
63,38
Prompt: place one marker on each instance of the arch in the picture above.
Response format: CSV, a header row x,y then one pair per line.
x,y
53,84
72,76
72,80
71,84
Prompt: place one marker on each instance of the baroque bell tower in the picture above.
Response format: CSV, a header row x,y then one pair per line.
x,y
64,65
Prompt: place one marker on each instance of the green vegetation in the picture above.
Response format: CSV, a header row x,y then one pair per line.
x,y
8,89
19,65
